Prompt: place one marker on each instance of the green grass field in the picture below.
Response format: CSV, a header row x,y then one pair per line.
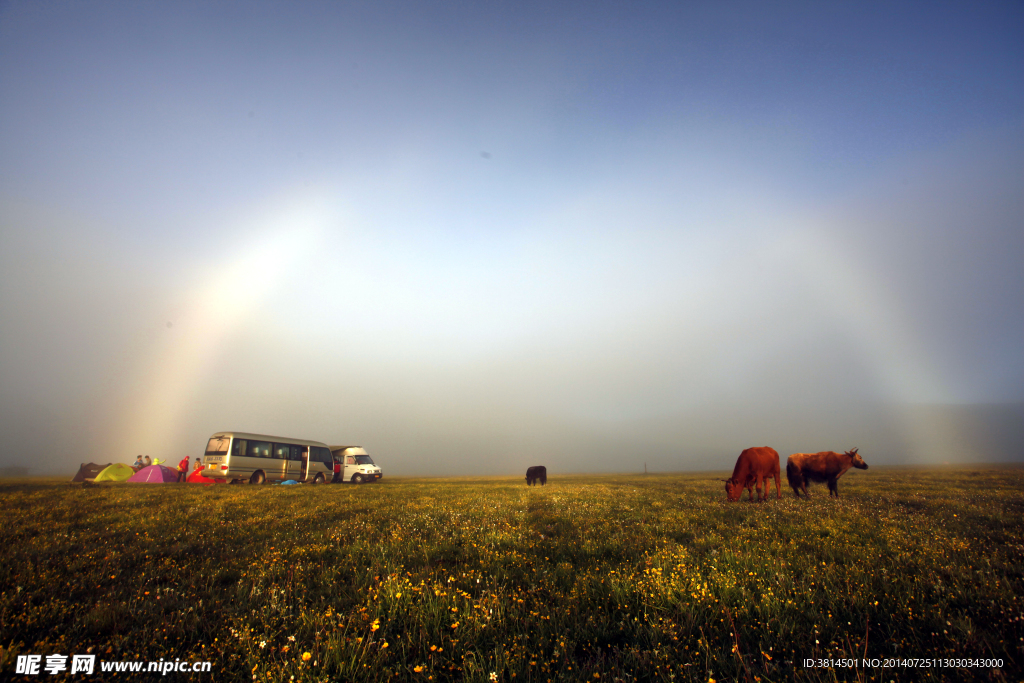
x,y
652,578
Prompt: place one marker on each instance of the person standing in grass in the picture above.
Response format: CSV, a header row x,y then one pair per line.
x,y
183,470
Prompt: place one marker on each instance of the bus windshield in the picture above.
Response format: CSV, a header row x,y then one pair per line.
x,y
218,445
363,460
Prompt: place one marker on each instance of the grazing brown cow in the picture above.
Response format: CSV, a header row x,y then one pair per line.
x,y
755,465
825,466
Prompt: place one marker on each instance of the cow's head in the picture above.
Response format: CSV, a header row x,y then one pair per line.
x,y
857,461
733,490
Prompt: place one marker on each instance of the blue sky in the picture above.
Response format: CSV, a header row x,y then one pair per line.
x,y
491,233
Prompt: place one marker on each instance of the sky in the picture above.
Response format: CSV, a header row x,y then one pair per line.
x,y
474,237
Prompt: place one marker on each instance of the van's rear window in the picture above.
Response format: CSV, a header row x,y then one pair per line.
x,y
218,445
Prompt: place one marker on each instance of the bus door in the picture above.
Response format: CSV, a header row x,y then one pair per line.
x,y
298,466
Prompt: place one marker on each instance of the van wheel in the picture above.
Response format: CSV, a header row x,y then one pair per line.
x,y
319,479
357,479
257,478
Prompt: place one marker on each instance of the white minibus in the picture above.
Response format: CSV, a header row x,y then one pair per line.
x,y
256,458
353,464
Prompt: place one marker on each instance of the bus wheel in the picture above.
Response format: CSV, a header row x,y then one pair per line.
x,y
357,479
318,479
257,478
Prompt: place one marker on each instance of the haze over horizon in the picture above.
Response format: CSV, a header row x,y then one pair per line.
x,y
473,238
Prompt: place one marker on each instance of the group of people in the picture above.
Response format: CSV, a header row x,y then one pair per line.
x,y
183,468
183,472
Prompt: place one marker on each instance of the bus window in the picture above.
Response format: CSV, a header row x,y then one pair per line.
x,y
218,445
239,447
321,454
282,451
259,449
298,452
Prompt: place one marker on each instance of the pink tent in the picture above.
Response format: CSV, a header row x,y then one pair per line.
x,y
154,474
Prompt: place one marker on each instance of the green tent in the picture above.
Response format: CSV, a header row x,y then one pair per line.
x,y
115,472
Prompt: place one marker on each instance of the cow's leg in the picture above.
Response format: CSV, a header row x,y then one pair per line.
x,y
833,488
760,483
778,486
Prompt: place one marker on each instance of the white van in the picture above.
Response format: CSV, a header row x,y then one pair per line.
x,y
352,464
257,458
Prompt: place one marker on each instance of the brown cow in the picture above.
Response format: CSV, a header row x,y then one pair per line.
x,y
825,466
754,466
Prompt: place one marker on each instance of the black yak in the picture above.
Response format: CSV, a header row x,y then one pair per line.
x,y
537,473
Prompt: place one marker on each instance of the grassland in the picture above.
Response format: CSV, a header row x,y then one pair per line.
x,y
651,578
